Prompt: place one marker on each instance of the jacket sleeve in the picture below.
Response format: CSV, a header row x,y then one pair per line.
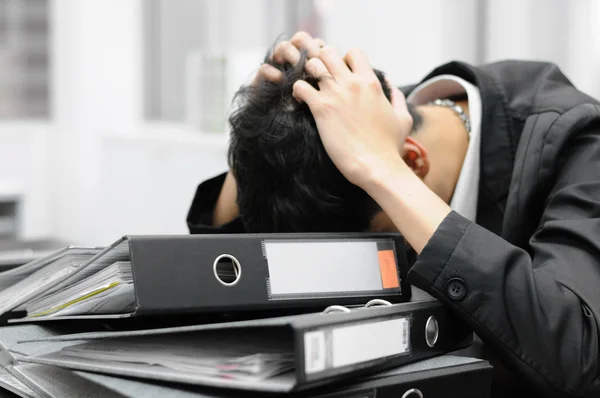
x,y
200,214
537,308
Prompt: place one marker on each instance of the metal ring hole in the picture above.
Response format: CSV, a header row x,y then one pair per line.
x,y
413,393
432,331
227,270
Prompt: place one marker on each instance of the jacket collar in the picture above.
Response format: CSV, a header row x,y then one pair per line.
x,y
498,141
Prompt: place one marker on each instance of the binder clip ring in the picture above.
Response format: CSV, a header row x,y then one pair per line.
x,y
335,308
227,277
377,302
413,393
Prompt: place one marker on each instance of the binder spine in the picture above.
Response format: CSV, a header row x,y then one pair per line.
x,y
265,263
326,352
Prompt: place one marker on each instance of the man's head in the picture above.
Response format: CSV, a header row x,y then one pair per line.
x,y
285,179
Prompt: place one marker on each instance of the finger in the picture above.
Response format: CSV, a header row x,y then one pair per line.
x,y
317,69
286,52
397,98
357,61
320,42
267,72
304,92
334,63
304,41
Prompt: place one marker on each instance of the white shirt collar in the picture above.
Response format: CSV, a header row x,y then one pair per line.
x,y
464,199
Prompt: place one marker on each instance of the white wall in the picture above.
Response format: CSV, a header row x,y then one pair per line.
x,y
115,175
565,32
405,39
150,183
182,26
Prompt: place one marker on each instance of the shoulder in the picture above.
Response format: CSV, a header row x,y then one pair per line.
x,y
532,87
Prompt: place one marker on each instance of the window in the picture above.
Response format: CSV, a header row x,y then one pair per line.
x,y
198,53
24,59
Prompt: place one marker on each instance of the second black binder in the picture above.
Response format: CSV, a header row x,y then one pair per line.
x,y
280,354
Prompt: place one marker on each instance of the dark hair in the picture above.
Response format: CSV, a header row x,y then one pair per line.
x,y
285,179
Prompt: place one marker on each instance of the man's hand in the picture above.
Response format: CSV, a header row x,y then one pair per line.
x,y
289,52
363,135
361,131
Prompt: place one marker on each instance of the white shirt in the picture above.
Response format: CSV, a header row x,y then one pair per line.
x,y
464,199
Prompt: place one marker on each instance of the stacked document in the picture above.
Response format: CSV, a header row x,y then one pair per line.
x,y
279,354
65,280
445,376
53,261
11,383
15,252
211,357
23,379
107,292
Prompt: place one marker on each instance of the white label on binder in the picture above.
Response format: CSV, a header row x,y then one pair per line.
x,y
300,267
369,341
315,356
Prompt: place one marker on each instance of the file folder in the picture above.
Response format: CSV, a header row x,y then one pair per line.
x,y
445,376
19,284
13,385
313,349
15,376
54,382
196,274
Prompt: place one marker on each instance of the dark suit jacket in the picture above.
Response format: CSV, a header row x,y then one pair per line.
x,y
526,275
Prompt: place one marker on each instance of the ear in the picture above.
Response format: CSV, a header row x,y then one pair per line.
x,y
415,156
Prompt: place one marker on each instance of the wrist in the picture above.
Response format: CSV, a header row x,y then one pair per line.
x,y
380,175
414,209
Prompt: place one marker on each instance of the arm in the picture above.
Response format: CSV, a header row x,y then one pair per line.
x,y
538,309
363,133
226,209
203,217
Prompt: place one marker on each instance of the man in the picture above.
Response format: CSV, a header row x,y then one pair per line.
x,y
498,196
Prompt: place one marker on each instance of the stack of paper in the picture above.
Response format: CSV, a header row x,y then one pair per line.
x,y
108,291
222,355
10,383
69,255
59,274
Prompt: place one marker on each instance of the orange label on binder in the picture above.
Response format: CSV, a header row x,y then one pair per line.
x,y
387,266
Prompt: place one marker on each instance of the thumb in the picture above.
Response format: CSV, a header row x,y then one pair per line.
x,y
400,107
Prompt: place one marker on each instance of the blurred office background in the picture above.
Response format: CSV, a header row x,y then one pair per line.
x,y
112,111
